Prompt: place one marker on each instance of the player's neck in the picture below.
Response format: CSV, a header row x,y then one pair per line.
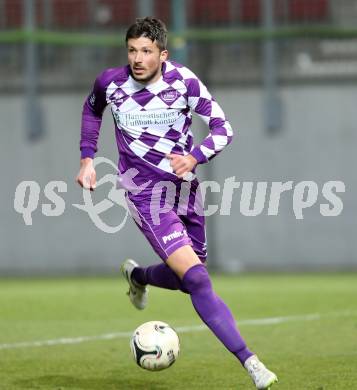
x,y
156,78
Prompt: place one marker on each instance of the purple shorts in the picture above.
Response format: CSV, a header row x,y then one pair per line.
x,y
170,216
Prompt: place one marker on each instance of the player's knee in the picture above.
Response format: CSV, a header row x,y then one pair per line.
x,y
196,279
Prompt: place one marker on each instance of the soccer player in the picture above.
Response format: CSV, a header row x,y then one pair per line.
x,y
151,101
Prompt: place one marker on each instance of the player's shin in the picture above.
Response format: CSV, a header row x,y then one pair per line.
x,y
214,312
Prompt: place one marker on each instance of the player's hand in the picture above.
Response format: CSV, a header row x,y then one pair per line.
x,y
182,165
86,177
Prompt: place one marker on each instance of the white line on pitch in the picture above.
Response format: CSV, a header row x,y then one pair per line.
x,y
182,329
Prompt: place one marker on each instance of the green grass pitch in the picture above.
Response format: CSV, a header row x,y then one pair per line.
x,y
317,352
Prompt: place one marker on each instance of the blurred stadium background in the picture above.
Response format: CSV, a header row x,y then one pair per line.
x,y
285,73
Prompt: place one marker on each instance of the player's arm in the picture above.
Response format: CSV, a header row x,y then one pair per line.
x,y
92,113
221,134
202,102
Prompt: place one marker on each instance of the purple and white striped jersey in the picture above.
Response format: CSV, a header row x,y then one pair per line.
x,y
154,120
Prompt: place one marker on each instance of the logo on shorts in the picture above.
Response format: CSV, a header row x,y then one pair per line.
x,y
174,235
169,95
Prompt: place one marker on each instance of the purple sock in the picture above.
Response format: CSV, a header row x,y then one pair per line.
x,y
214,312
159,275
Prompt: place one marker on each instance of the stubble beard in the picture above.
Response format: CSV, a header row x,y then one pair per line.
x,y
148,78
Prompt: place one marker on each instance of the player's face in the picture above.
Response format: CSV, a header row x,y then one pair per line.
x,y
145,59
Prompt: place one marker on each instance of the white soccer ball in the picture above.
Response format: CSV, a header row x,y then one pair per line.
x,y
155,345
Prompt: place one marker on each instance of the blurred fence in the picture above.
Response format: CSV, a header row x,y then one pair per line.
x,y
314,39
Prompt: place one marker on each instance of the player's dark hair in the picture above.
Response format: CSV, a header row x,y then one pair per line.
x,y
151,28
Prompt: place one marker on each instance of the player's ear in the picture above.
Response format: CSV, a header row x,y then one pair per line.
x,y
164,55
